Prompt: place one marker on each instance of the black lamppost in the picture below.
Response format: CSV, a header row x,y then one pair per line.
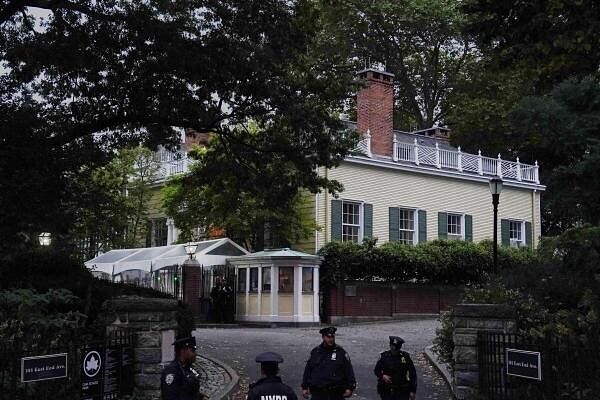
x,y
495,189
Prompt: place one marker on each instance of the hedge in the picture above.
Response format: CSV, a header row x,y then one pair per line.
x,y
439,261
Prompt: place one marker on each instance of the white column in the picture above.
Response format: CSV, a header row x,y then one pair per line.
x,y
536,172
519,176
460,168
170,227
297,314
274,292
259,292
316,315
437,155
368,140
247,289
395,148
479,163
499,166
416,151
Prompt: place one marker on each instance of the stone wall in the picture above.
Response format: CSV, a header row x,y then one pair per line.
x,y
154,323
468,320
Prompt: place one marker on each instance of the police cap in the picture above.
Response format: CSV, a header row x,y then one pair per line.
x,y
185,342
269,357
330,330
396,341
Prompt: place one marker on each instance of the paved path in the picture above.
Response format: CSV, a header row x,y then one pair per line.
x,y
238,347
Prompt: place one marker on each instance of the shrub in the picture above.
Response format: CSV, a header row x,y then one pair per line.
x,y
439,261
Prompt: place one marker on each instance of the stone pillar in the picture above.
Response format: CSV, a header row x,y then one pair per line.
x,y
154,323
468,320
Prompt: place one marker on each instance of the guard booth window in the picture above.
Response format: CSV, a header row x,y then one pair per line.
x,y
286,279
241,281
307,279
254,279
266,279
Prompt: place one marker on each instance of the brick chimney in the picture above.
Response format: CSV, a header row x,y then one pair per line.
x,y
193,137
375,103
440,134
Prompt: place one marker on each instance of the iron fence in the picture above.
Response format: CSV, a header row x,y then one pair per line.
x,y
569,369
70,387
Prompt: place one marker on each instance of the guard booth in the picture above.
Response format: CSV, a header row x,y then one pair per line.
x,y
278,286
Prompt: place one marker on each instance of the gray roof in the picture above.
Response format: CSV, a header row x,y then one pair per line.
x,y
277,254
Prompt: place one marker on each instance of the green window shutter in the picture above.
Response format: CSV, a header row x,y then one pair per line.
x,y
528,233
505,232
368,220
336,220
422,226
394,224
442,225
468,228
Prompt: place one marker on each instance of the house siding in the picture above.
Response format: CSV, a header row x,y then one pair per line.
x,y
386,188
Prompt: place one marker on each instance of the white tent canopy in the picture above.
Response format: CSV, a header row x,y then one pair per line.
x,y
209,252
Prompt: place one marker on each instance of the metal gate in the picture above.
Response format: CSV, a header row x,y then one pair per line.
x,y
112,380
568,370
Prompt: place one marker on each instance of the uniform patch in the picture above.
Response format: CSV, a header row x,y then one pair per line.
x,y
334,356
169,379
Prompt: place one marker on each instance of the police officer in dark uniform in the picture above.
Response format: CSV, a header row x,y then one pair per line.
x,y
270,385
328,374
396,374
179,381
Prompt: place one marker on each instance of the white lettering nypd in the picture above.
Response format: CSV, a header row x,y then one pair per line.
x,y
276,397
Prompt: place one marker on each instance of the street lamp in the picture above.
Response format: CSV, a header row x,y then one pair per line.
x,y
45,238
190,249
495,189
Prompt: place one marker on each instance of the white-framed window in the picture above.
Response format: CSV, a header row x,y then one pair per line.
x,y
455,226
407,225
516,233
351,221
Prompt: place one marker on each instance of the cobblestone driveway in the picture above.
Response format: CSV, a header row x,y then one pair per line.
x,y
238,347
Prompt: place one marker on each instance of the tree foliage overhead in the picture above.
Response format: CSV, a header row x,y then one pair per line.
x,y
124,71
420,42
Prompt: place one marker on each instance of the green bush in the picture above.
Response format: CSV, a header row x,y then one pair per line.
x,y
439,261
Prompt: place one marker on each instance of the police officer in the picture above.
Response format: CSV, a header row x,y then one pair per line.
x,y
396,374
179,381
270,385
328,374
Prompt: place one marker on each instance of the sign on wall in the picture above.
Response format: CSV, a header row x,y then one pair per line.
x,y
523,363
41,368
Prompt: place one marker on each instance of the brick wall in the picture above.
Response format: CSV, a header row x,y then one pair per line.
x,y
375,110
362,301
191,290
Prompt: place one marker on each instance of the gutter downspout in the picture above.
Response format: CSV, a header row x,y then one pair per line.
x,y
533,220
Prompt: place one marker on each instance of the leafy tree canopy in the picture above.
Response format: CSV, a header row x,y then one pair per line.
x,y
114,72
420,42
250,197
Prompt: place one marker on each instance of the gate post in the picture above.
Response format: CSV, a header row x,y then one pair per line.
x,y
468,320
154,322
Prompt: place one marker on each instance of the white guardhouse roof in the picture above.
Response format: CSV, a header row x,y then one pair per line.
x,y
209,252
277,255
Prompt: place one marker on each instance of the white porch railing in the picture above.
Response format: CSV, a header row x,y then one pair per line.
x,y
465,162
171,162
457,160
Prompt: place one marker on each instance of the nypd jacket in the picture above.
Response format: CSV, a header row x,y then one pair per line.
x,y
271,388
179,382
402,370
328,368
